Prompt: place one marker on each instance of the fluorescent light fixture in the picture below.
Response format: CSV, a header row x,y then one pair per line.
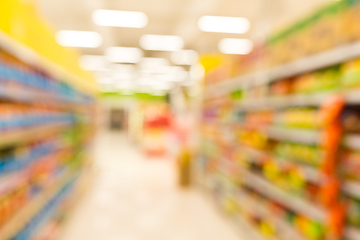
x,y
82,39
223,24
185,57
113,18
124,54
93,63
236,46
153,64
161,42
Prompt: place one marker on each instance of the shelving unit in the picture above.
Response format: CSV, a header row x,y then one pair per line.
x,y
247,231
293,202
309,100
31,134
294,135
352,233
32,97
216,100
284,102
308,64
32,58
46,125
352,188
25,214
352,141
281,225
257,157
11,181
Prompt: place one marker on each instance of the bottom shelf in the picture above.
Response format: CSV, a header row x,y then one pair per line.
x,y
246,230
352,233
53,228
25,214
295,203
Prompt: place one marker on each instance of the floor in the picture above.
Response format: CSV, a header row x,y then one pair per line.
x,y
134,198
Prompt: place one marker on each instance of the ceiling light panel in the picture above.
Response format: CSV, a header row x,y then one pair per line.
x,y
161,42
113,18
124,54
224,24
83,39
236,46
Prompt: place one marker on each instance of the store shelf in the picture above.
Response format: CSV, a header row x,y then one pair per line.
x,y
303,100
32,96
311,173
292,202
352,97
220,122
256,156
288,231
284,102
352,188
307,64
247,230
295,135
25,214
11,181
30,134
352,233
317,61
300,100
301,135
352,141
32,58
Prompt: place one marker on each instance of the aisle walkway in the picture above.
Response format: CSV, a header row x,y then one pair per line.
x,y
134,198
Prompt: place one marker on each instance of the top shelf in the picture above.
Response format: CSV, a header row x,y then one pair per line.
x,y
32,58
313,62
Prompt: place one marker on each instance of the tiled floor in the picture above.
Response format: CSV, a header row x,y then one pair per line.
x,y
135,198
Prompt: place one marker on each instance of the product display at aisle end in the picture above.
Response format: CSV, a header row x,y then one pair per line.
x,y
156,127
280,147
46,127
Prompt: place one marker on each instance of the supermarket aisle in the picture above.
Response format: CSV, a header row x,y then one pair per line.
x,y
134,198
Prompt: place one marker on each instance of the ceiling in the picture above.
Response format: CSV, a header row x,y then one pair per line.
x,y
177,17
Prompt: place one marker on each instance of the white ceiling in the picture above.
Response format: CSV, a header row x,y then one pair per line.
x,y
176,17
170,17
